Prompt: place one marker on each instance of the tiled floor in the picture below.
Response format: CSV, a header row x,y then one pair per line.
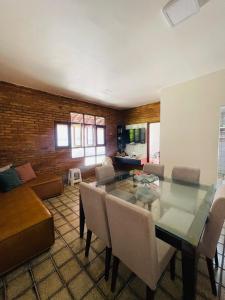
x,y
65,273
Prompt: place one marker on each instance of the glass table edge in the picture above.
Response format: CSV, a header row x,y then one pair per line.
x,y
210,193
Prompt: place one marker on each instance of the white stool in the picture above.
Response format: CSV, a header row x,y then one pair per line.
x,y
74,176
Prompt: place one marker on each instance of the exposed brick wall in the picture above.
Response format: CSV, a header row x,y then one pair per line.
x,y
27,128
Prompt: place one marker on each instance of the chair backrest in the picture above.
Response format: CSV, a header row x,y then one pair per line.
x,y
186,175
93,200
157,170
214,224
133,238
107,161
104,172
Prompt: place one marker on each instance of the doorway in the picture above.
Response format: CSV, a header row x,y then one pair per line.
x,y
221,152
154,143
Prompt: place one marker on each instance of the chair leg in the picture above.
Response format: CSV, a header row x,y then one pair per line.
x,y
150,294
172,267
88,242
116,262
211,275
216,259
108,254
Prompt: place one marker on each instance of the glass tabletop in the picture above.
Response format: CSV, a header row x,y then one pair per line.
x,y
177,208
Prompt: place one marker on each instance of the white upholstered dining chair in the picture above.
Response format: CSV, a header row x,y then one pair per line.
x,y
93,200
155,169
104,172
132,232
211,234
186,175
107,161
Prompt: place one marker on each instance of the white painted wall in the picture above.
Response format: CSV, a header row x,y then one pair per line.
x,y
154,138
189,119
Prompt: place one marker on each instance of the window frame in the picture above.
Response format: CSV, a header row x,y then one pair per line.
x,y
69,127
103,127
68,132
84,136
82,142
96,145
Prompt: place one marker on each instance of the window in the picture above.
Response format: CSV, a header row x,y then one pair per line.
x,y
100,135
88,138
77,152
100,121
89,135
62,135
76,135
85,135
88,119
77,118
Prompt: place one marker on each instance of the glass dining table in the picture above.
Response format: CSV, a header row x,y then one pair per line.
x,y
179,210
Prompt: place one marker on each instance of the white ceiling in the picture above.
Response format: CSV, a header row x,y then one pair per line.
x,y
114,52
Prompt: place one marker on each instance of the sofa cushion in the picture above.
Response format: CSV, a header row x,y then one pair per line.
x,y
46,186
25,172
9,180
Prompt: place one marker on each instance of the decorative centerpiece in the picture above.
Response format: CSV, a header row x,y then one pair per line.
x,y
145,191
146,179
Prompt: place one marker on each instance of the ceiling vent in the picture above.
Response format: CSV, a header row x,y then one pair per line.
x,y
177,11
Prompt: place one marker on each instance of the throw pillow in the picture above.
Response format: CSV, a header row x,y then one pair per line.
x,y
25,172
2,169
9,180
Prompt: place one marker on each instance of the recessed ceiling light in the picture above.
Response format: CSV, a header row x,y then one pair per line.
x,y
177,11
